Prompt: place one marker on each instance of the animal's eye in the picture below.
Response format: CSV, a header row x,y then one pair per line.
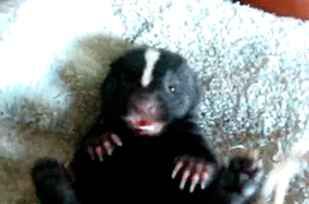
x,y
172,89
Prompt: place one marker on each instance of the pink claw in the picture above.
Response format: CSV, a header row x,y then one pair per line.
x,y
177,168
108,147
204,179
99,153
195,181
116,140
184,179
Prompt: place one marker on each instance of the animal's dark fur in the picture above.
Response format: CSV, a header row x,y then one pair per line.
x,y
141,170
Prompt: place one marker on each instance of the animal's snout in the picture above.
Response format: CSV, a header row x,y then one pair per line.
x,y
145,104
146,107
144,115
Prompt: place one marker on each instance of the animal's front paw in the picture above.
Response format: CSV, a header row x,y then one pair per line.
x,y
194,171
244,174
103,145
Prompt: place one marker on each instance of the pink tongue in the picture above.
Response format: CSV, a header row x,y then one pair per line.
x,y
144,122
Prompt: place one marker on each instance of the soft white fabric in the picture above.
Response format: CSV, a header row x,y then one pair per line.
x,y
254,67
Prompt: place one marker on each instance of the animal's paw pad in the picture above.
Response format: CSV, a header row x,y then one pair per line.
x,y
192,171
104,145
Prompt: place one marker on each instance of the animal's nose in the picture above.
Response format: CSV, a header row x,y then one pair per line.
x,y
146,107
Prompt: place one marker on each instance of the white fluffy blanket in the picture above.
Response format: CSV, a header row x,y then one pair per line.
x,y
254,67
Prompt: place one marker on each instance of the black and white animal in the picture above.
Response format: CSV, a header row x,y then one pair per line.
x,y
158,152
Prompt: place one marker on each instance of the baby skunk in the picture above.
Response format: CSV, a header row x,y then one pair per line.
x,y
158,152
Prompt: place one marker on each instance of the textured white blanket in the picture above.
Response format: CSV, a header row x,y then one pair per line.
x,y
254,66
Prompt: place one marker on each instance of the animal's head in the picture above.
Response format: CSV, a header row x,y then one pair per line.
x,y
155,87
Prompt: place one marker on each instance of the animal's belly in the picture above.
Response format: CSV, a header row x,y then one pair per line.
x,y
128,175
132,176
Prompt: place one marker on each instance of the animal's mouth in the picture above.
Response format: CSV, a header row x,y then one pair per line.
x,y
145,126
144,115
149,130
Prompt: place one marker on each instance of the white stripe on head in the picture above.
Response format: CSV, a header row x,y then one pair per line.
x,y
151,57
